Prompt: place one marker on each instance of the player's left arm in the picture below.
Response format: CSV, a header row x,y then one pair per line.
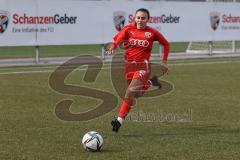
x,y
161,39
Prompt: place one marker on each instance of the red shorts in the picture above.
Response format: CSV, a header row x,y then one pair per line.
x,y
139,70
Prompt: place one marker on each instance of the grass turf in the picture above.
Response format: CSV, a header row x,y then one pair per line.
x,y
68,50
207,93
74,50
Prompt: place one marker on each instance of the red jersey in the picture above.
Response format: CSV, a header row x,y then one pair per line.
x,y
139,42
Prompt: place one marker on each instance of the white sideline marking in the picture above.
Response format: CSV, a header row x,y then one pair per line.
x,y
107,67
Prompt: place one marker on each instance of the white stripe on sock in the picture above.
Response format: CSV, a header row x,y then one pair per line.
x,y
120,119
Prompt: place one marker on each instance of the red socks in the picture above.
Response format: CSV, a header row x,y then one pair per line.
x,y
128,102
125,108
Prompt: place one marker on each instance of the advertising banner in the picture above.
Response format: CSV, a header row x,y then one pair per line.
x,y
63,22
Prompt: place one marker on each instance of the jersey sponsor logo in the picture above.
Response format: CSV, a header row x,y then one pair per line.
x,y
119,20
138,42
214,20
4,20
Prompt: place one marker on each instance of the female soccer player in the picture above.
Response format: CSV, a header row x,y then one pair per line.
x,y
138,39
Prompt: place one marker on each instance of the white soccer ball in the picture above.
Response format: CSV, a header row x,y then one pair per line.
x,y
92,141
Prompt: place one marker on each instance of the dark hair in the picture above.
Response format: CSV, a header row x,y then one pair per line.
x,y
143,10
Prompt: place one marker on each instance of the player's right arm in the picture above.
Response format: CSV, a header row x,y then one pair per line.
x,y
118,40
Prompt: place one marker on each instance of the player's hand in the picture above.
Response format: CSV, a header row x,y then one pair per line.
x,y
110,49
164,67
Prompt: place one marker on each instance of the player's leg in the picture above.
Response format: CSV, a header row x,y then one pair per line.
x,y
137,75
128,101
151,82
132,91
155,82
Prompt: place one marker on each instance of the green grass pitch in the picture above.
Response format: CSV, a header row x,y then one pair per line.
x,y
205,91
69,50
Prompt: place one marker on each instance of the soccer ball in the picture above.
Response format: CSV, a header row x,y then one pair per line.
x,y
92,141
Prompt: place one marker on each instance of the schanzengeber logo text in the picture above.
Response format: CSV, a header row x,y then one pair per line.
x,y
164,18
54,19
228,21
119,19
